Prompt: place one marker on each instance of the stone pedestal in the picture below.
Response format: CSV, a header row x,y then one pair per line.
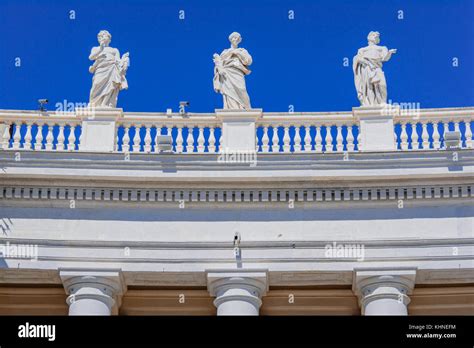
x,y
238,129
237,292
98,128
384,292
376,127
93,292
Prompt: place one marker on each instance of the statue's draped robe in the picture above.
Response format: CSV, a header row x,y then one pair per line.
x,y
109,77
369,78
229,78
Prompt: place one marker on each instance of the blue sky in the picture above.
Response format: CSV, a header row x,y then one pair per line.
x,y
296,62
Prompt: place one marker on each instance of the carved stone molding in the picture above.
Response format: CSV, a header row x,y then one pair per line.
x,y
337,194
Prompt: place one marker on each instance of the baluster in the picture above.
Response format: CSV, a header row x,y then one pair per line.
x,y
339,139
39,138
193,139
126,139
28,137
436,136
350,138
286,138
179,138
147,146
456,129
17,136
136,139
413,137
185,140
60,145
416,139
212,140
468,133
5,137
445,129
270,141
307,139
329,139
265,140
425,137
318,141
81,138
403,137
49,138
71,146
297,147
200,140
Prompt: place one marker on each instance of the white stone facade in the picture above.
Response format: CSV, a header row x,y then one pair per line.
x,y
112,224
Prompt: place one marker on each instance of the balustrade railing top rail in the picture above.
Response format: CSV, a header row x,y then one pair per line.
x,y
174,118
443,113
312,117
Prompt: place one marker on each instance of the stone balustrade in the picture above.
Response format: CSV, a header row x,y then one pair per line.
x,y
330,132
307,132
425,129
193,133
30,130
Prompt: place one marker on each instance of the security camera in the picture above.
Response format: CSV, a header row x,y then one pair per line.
x,y
182,107
236,239
42,103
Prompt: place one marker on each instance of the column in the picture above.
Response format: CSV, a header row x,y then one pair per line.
x,y
93,292
383,291
237,292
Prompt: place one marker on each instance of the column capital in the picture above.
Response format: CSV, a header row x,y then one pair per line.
x,y
237,291
383,284
257,278
104,285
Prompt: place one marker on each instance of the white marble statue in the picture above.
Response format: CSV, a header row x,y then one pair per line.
x,y
230,69
369,78
109,72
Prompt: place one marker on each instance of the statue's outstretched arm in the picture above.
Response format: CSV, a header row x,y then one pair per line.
x,y
388,54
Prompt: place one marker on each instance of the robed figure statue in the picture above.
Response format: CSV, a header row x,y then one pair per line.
x,y
369,78
109,72
230,69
